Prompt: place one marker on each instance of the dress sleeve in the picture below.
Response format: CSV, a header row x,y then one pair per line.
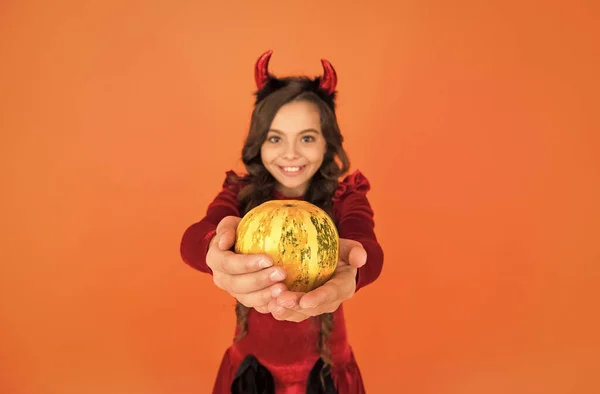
x,y
197,237
356,222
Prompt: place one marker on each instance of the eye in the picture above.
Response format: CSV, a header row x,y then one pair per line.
x,y
273,139
308,138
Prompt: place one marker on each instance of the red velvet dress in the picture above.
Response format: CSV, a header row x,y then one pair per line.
x,y
287,349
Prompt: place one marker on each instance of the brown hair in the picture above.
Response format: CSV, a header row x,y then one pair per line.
x,y
260,183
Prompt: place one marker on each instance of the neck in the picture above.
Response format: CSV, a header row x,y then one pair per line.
x,y
291,192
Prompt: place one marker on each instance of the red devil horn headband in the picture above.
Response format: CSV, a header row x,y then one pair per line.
x,y
261,69
261,73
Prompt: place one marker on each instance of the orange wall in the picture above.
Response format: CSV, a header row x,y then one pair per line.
x,y
477,126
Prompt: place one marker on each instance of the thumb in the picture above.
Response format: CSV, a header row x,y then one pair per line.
x,y
357,257
353,253
226,232
226,239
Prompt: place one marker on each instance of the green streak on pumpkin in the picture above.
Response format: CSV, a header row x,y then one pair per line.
x,y
294,241
326,237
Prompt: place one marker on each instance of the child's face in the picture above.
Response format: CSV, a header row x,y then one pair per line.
x,y
294,148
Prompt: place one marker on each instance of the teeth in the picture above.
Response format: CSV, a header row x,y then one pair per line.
x,y
291,169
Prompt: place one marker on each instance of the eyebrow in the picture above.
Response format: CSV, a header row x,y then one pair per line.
x,y
301,132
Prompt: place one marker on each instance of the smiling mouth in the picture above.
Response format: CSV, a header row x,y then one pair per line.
x,y
289,170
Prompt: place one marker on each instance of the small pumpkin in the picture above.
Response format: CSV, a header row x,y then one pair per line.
x,y
299,236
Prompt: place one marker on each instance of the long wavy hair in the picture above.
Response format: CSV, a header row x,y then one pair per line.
x,y
260,184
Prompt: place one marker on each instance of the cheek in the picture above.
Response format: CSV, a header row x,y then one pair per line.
x,y
316,153
314,157
267,154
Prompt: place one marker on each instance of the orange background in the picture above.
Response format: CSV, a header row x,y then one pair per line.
x,y
477,126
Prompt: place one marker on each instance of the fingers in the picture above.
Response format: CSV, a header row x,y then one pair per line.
x,y
319,297
297,306
253,281
236,264
281,313
289,299
340,287
262,309
352,252
230,263
221,258
260,299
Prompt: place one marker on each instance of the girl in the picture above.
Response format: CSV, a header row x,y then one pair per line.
x,y
287,342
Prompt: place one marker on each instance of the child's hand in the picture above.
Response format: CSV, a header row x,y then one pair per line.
x,y
297,306
251,279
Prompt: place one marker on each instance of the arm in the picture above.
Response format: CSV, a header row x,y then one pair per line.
x,y
196,238
356,222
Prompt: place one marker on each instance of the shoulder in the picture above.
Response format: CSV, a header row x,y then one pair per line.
x,y
353,184
234,181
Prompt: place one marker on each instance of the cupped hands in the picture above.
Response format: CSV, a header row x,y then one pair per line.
x,y
299,306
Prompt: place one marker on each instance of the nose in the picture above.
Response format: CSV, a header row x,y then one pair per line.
x,y
290,151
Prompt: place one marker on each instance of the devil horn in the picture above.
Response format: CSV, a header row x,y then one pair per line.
x,y
329,80
261,69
